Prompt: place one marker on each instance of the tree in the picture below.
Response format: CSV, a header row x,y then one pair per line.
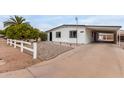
x,y
15,21
2,32
34,34
17,28
22,32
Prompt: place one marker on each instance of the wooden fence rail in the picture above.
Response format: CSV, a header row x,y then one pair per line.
x,y
21,44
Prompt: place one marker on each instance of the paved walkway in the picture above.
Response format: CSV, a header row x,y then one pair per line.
x,y
93,60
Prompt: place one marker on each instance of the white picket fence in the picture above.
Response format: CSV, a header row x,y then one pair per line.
x,y
20,43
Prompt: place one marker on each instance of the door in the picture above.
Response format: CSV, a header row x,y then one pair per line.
x,y
50,36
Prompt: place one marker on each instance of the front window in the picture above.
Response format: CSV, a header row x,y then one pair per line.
x,y
58,34
73,34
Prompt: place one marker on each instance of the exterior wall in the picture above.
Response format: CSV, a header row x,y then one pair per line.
x,y
84,35
122,38
65,35
88,36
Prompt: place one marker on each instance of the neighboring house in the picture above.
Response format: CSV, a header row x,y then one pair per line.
x,y
106,37
122,35
83,34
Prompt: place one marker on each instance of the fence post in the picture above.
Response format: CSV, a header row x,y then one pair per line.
x,y
34,50
14,43
10,42
7,41
21,46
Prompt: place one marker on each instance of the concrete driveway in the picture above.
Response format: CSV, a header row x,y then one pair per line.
x,y
93,60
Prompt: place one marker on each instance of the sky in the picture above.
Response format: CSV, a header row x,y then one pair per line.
x,y
46,22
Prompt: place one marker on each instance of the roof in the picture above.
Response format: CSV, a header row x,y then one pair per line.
x,y
65,25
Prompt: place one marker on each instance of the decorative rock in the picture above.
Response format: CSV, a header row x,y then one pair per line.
x,y
2,62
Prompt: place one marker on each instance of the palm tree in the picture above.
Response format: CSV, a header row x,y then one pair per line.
x,y
15,21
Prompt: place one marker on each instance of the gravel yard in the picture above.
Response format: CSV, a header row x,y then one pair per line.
x,y
48,50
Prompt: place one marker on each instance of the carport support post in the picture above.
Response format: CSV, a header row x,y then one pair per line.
x,y
119,38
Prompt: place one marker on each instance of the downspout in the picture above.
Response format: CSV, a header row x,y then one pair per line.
x,y
119,38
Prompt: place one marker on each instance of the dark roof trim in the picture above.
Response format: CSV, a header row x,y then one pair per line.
x,y
62,26
81,25
101,26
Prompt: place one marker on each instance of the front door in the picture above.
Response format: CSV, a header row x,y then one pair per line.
x,y
50,36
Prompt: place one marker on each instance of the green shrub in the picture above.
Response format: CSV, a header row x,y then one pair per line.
x,y
22,32
2,32
43,36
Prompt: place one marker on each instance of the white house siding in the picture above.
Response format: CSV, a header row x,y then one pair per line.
x,y
88,36
65,34
84,34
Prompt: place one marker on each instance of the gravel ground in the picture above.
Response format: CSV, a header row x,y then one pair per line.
x,y
13,58
48,50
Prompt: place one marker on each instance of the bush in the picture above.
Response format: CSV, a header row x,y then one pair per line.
x,y
2,32
22,32
43,36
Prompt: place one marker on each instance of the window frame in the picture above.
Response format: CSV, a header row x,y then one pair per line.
x,y
71,34
58,35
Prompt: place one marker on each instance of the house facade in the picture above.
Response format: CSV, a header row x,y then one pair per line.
x,y
83,34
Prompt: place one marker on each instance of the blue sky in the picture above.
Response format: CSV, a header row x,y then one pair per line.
x,y
46,22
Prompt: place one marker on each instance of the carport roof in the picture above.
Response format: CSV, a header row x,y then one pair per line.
x,y
104,28
93,27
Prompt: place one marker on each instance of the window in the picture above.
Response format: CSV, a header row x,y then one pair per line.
x,y
58,34
73,34
81,31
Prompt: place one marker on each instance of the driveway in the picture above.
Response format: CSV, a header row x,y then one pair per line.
x,y
92,60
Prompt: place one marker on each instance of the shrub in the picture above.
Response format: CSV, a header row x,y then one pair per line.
x,y
2,32
22,32
43,36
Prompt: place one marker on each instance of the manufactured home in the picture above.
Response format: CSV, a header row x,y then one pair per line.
x,y
84,34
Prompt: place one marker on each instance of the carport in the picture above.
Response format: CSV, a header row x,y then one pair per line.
x,y
108,34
